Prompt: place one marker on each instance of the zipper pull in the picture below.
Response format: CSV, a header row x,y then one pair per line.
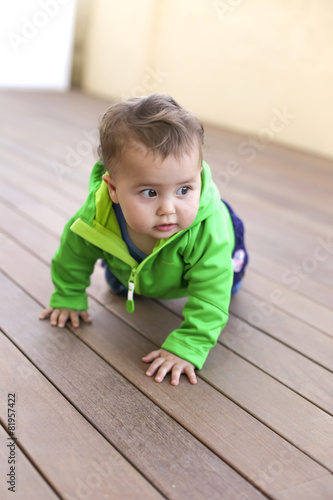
x,y
130,301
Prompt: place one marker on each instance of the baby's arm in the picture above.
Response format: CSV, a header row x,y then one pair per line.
x,y
71,268
209,275
165,361
59,317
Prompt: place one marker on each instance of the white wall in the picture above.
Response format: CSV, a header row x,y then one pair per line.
x,y
36,47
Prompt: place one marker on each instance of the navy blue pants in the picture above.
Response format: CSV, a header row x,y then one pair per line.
x,y
240,256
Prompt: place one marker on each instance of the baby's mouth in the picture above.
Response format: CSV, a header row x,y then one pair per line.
x,y
165,227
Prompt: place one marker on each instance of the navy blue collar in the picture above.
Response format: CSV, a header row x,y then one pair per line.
x,y
133,250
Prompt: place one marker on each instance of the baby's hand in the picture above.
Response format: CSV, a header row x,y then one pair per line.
x,y
59,317
166,361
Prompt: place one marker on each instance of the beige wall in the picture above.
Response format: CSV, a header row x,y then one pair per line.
x,y
262,68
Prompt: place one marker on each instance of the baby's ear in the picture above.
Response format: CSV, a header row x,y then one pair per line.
x,y
111,187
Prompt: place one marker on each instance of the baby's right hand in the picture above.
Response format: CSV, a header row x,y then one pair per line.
x,y
59,317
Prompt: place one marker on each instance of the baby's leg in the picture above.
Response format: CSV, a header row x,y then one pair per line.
x,y
115,285
239,256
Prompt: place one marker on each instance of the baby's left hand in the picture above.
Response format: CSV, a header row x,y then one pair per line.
x,y
164,362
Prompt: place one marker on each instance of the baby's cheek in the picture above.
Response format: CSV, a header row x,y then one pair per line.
x,y
188,217
138,222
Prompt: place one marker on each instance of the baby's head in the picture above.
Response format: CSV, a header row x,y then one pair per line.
x,y
151,148
157,122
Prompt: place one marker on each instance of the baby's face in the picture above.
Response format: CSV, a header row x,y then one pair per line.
x,y
158,197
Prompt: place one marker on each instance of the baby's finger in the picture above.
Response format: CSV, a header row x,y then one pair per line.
x,y
151,356
63,317
154,366
189,370
175,375
74,317
46,313
54,317
85,316
165,368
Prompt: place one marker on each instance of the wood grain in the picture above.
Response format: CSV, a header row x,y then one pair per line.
x,y
259,422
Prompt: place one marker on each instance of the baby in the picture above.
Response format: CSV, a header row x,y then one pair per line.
x,y
155,217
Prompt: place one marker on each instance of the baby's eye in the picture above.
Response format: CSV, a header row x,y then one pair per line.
x,y
183,190
149,193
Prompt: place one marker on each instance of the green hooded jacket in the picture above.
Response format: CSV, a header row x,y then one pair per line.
x,y
195,263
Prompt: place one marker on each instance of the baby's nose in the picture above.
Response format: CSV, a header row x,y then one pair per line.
x,y
166,207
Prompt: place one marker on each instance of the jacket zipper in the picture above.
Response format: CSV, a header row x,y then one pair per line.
x,y
133,276
131,287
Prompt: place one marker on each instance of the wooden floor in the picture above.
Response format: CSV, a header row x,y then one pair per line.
x,y
89,423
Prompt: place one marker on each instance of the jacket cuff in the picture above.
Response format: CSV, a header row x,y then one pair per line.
x,y
79,303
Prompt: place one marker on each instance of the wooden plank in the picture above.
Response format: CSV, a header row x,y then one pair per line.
x,y
294,261
28,483
60,126
291,234
42,215
255,209
299,268
319,488
326,293
309,341
313,167
267,180
262,302
284,364
307,287
235,333
252,314
317,315
281,400
299,220
278,175
312,201
83,462
53,110
302,337
157,335
292,301
27,234
290,415
83,193
30,235
171,458
253,175
46,195
220,420
67,109
326,321
217,418
61,175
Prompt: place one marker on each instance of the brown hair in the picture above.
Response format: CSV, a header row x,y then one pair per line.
x,y
156,121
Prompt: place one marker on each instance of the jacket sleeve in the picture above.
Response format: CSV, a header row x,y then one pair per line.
x,y
71,268
209,273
